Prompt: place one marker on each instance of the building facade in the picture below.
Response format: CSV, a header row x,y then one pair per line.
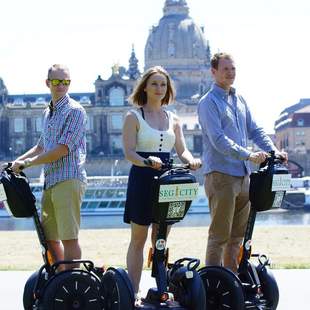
x,y
176,43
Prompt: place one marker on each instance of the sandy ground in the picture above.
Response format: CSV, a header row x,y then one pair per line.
x,y
287,246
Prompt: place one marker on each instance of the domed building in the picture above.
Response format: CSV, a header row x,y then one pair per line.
x,y
179,45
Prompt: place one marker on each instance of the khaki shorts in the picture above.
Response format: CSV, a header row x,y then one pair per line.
x,y
60,214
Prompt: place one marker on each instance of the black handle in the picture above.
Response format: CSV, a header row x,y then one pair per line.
x,y
165,166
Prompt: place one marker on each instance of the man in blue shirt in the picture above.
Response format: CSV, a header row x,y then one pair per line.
x,y
227,125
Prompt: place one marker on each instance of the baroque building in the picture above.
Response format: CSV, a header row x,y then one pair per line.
x,y
177,43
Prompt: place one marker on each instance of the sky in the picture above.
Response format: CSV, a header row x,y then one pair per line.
x,y
269,40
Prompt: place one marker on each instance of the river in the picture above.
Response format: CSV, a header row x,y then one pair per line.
x,y
269,218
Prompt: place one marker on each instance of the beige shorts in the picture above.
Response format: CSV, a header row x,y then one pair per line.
x,y
61,206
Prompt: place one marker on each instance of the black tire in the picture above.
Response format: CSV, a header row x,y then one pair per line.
x,y
269,287
223,289
117,290
73,290
190,293
28,297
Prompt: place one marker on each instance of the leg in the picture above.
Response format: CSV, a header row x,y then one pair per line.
x,y
239,225
67,198
221,195
72,251
56,251
135,254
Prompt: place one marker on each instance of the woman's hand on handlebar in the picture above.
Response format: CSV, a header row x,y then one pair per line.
x,y
283,156
153,162
195,164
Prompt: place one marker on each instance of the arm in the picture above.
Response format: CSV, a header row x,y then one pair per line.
x,y
37,149
180,146
130,129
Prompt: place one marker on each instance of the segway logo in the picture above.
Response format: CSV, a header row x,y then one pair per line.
x,y
178,192
281,182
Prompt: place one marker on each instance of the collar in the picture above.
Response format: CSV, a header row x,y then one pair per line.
x,y
222,92
59,103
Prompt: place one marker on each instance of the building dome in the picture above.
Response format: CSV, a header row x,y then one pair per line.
x,y
179,45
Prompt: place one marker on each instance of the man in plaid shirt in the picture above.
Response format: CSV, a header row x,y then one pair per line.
x,y
62,150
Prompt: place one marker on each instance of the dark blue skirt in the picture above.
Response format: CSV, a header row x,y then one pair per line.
x,y
138,207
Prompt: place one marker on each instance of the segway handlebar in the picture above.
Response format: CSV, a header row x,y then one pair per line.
x,y
168,165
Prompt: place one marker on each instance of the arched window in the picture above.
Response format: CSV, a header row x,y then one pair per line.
x,y
116,96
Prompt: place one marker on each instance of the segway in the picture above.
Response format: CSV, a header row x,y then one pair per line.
x,y
47,289
254,286
178,285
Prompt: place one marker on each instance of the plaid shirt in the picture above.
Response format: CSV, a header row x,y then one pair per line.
x,y
64,124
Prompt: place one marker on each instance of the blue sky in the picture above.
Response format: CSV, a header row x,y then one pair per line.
x,y
268,38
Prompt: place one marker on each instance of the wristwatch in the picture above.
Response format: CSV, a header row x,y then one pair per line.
x,y
27,162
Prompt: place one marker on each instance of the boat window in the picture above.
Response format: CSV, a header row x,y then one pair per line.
x,y
99,193
89,193
114,204
103,204
92,205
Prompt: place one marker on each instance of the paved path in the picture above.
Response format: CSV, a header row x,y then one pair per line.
x,y
293,284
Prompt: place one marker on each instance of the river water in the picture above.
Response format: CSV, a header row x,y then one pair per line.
x,y
269,218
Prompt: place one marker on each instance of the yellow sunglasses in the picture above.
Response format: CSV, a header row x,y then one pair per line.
x,y
56,82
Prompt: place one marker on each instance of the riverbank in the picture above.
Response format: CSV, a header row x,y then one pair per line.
x,y
287,246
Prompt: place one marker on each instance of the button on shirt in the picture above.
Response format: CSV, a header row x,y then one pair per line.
x,y
227,124
65,124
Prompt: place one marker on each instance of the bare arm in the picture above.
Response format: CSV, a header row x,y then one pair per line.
x,y
36,150
130,128
59,151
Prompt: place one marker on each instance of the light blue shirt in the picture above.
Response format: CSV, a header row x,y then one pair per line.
x,y
227,124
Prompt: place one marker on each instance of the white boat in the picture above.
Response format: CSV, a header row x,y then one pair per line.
x,y
106,195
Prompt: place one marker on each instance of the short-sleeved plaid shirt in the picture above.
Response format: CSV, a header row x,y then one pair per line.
x,y
65,124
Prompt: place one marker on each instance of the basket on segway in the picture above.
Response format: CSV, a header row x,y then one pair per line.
x,y
46,289
178,286
254,286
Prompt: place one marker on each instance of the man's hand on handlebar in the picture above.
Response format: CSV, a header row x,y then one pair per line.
x,y
258,157
18,166
195,164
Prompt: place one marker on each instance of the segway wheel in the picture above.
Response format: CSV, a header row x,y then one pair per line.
x,y
28,296
222,287
269,287
73,290
117,290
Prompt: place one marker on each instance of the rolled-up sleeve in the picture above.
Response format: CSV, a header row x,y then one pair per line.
x,y
210,121
74,129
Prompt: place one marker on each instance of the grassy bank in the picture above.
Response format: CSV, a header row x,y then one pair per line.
x,y
287,246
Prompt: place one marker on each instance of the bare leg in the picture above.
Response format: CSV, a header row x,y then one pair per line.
x,y
56,251
72,251
135,254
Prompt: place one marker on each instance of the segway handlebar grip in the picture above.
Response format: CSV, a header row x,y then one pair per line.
x,y
166,166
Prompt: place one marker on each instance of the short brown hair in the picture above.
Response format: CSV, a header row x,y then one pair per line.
x,y
139,97
216,59
57,67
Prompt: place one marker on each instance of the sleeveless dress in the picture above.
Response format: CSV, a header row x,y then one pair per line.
x,y
150,142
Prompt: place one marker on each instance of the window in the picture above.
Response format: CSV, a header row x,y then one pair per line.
x,y
89,123
18,125
300,122
116,144
38,124
116,96
189,142
116,121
